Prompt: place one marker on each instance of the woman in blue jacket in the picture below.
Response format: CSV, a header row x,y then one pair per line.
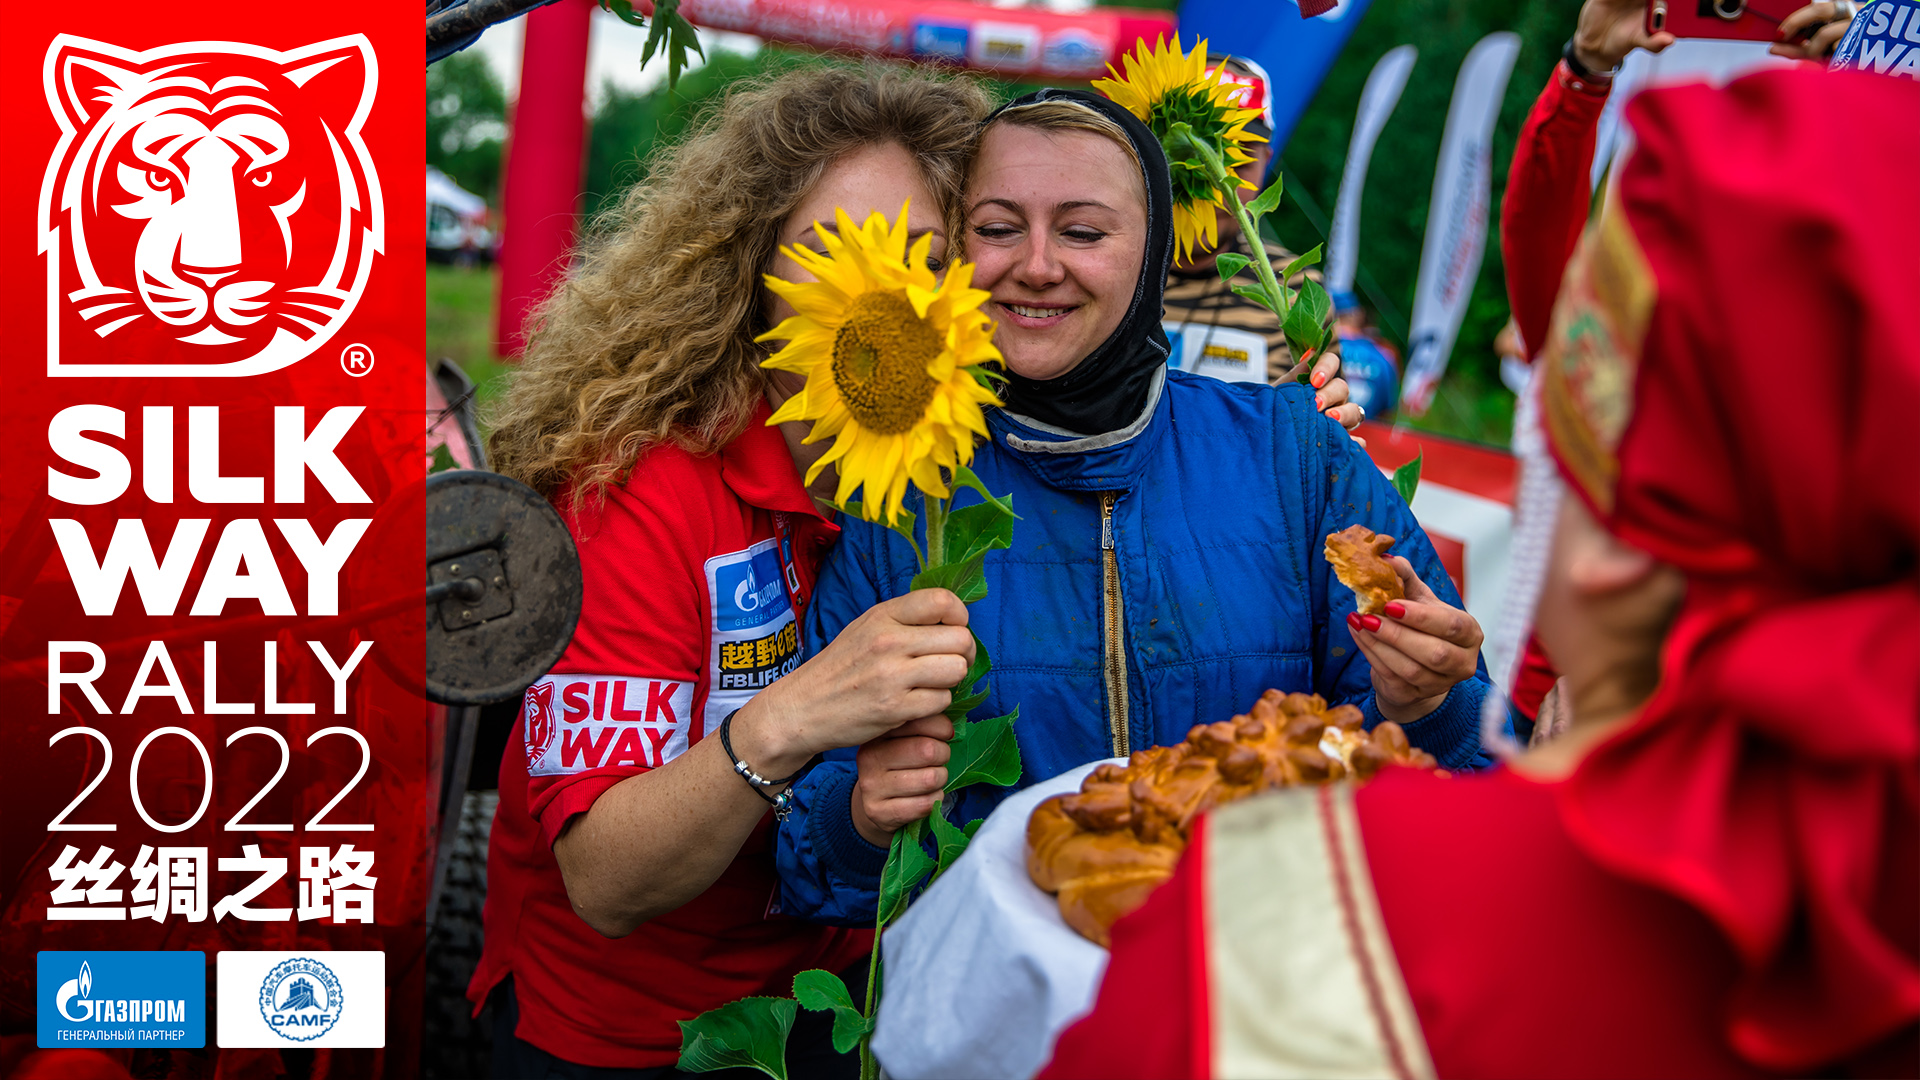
x,y
1166,568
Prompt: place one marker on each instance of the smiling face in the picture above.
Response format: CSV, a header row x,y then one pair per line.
x,y
1057,230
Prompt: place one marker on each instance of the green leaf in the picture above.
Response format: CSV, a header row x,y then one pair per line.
x,y
823,991
952,841
963,705
907,866
1267,201
971,691
966,578
982,663
623,9
978,529
1311,258
1229,263
749,1033
984,752
963,477
987,376
1258,294
673,34
1305,325
1406,478
973,826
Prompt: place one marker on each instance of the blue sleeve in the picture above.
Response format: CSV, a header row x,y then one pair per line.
x,y
829,872
1356,492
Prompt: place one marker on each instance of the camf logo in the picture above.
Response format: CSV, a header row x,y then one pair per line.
x,y
210,208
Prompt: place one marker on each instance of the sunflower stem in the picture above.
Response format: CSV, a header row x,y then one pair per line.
x,y
869,1067
1228,185
905,532
936,531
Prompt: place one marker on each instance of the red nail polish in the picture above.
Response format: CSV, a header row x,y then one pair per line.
x,y
1319,403
1319,379
1396,609
1353,620
1371,623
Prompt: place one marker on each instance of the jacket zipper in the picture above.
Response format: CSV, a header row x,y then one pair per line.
x,y
1114,636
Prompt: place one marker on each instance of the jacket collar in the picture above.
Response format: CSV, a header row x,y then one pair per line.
x,y
1071,461
759,468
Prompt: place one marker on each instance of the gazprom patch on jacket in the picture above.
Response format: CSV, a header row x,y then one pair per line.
x,y
755,636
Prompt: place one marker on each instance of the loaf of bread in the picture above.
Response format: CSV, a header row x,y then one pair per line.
x,y
1358,556
1103,850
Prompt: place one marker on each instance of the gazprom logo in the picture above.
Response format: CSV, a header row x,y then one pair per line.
x,y
77,992
746,587
123,999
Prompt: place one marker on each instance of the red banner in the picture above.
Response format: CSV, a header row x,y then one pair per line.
x,y
1015,42
217,801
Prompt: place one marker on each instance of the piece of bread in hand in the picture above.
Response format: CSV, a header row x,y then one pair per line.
x,y
1359,559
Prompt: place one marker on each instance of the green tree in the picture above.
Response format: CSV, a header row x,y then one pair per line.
x,y
466,122
1471,402
628,125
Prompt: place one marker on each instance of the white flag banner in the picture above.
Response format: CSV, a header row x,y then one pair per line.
x,y
1457,218
1377,100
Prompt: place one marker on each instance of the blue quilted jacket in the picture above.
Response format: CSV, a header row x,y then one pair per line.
x,y
1214,506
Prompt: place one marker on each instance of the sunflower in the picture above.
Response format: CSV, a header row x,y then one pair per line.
x,y
1163,87
892,359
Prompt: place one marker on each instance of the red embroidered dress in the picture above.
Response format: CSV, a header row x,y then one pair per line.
x,y
1730,886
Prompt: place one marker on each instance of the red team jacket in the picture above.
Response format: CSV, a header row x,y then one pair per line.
x,y
1541,219
697,570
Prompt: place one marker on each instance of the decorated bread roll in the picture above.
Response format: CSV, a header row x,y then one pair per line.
x,y
1359,559
1103,849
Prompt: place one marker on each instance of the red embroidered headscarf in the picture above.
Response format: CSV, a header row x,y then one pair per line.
x,y
1733,385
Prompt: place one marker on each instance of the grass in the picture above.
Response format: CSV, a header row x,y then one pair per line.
x,y
460,327
1470,405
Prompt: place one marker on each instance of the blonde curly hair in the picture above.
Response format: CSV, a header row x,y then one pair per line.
x,y
649,339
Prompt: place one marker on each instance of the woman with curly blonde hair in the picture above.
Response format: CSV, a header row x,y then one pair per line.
x,y
631,878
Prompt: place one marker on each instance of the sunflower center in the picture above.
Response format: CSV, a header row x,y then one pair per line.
x,y
880,359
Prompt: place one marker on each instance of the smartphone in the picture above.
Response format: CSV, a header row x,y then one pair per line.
x,y
1730,20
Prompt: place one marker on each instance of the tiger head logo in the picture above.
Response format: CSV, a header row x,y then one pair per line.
x,y
210,208
538,707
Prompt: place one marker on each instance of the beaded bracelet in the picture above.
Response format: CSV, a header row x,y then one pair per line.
x,y
782,803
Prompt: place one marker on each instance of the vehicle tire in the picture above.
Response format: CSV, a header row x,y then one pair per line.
x,y
455,1044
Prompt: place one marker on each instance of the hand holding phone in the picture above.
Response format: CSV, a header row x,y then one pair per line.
x,y
1610,29
1734,20
1813,32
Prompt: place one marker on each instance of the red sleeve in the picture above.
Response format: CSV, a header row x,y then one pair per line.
x,y
1150,1020
627,695
1549,188
1537,676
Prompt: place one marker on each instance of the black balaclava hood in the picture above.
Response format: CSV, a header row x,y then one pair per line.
x,y
1108,389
